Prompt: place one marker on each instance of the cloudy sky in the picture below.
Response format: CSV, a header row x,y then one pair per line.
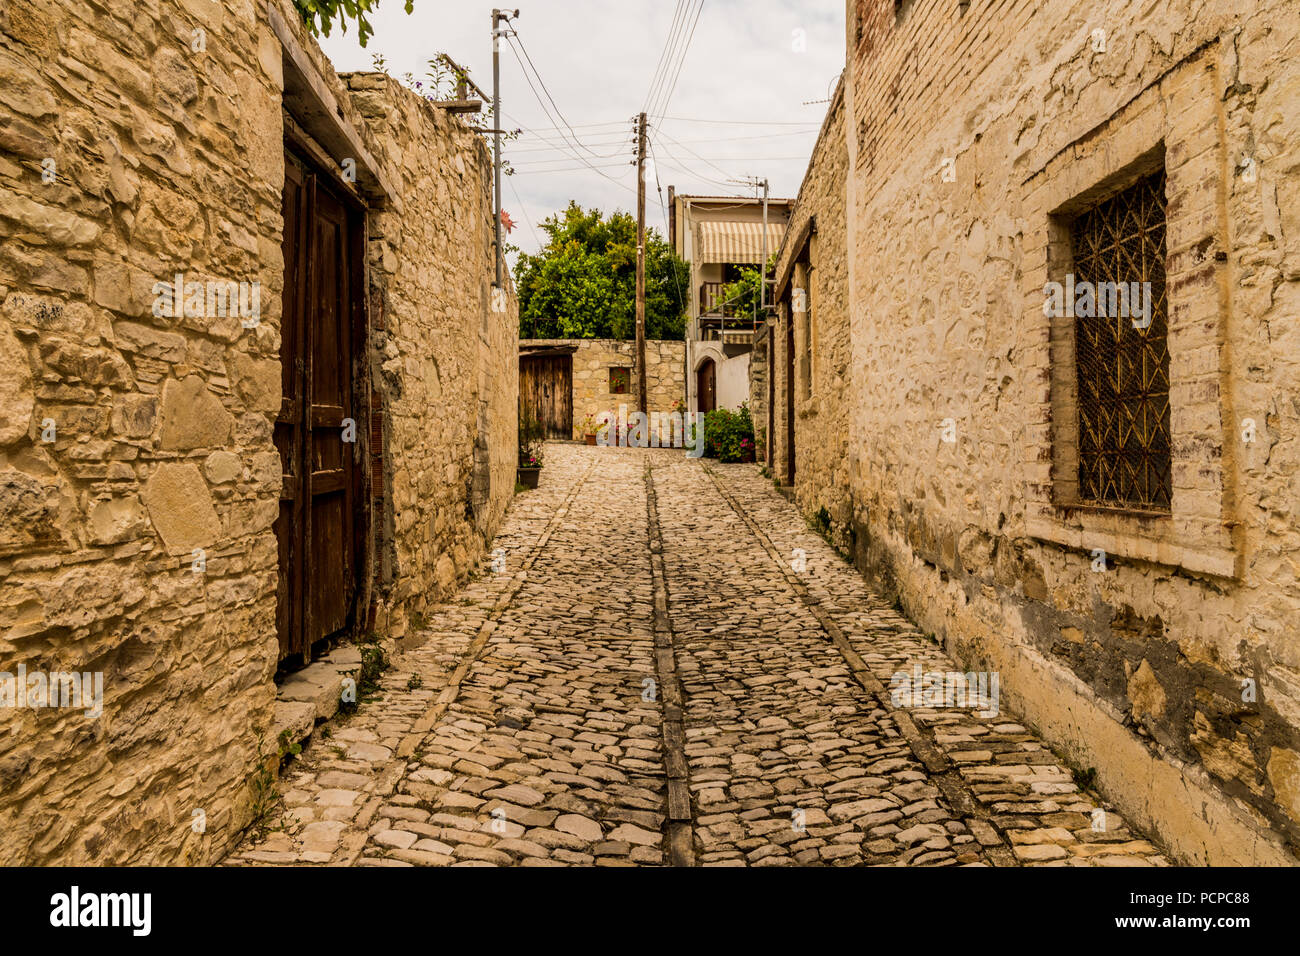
x,y
747,68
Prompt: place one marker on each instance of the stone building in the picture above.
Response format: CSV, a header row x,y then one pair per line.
x,y
254,398
1099,504
563,381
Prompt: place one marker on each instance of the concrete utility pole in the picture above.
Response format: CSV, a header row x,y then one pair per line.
x,y
497,33
640,264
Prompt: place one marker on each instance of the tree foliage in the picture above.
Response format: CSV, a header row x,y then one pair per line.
x,y
582,284
321,15
741,295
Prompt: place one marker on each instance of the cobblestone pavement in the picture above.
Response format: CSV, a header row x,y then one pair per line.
x,y
656,678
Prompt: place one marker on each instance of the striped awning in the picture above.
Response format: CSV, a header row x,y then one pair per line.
x,y
736,241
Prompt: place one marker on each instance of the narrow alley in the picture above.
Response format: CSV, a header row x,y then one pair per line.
x,y
668,666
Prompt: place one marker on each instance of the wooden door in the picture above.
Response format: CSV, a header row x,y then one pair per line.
x,y
546,393
789,399
706,386
316,431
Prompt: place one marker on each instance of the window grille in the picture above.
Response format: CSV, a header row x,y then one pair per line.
x,y
1123,367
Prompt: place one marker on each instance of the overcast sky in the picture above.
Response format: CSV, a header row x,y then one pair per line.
x,y
737,109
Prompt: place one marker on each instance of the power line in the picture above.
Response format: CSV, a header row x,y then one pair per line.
x,y
516,39
663,106
545,110
723,122
656,79
681,299
696,155
524,212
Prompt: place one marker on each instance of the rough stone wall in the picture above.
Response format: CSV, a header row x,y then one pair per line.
x,y
664,359
1137,670
134,147
161,160
822,369
758,372
441,356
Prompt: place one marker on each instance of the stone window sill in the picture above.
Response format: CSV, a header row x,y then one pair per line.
x,y
1140,536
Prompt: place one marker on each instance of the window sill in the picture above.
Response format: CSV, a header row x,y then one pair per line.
x,y
1139,536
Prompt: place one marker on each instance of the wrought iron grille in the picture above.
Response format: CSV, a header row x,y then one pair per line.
x,y
1123,367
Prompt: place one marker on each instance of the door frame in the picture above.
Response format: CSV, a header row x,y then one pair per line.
x,y
710,367
302,154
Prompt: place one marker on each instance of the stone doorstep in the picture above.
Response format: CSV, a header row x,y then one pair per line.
x,y
314,693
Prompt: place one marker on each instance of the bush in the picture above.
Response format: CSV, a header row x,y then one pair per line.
x,y
728,435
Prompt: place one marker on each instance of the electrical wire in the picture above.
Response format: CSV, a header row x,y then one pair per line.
x,y
663,106
657,78
540,103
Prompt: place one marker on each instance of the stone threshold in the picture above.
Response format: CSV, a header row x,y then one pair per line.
x,y
314,694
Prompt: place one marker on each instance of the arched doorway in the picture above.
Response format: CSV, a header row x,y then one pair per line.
x,y
706,386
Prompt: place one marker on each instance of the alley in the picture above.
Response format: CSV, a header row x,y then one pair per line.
x,y
669,667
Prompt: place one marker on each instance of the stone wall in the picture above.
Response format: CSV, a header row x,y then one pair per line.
x,y
441,358
822,367
593,359
1174,671
137,142
759,370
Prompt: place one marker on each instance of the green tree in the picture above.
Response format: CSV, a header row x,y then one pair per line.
x,y
320,15
582,283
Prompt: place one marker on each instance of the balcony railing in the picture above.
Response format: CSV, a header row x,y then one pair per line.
x,y
729,320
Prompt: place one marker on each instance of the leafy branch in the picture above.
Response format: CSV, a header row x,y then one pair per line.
x,y
321,15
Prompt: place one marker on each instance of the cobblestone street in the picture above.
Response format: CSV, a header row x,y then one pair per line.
x,y
656,678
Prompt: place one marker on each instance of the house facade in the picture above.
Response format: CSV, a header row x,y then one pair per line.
x,y
718,236
255,399
1030,355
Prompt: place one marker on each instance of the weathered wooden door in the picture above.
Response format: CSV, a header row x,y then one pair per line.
x,y
789,399
546,393
706,386
316,431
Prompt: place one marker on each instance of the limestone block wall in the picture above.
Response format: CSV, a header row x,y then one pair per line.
x,y
759,370
823,371
138,478
1175,670
442,358
132,439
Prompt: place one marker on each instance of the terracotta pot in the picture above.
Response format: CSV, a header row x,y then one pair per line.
x,y
528,477
591,439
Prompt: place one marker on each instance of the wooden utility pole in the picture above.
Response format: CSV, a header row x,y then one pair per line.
x,y
640,265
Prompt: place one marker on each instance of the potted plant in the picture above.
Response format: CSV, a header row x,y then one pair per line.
x,y
531,435
588,429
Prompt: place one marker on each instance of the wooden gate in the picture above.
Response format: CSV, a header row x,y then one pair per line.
x,y
546,393
316,431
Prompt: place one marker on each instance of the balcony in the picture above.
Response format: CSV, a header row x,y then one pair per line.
x,y
729,323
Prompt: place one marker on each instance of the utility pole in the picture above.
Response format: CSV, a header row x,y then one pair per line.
x,y
640,264
762,295
497,33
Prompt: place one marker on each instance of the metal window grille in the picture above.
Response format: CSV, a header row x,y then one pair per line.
x,y
1123,367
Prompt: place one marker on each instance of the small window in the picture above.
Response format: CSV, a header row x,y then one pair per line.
x,y
620,380
1122,350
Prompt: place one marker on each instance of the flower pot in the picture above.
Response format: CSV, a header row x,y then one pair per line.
x,y
591,439
528,476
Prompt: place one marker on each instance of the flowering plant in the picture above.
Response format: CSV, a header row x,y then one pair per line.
x,y
531,436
